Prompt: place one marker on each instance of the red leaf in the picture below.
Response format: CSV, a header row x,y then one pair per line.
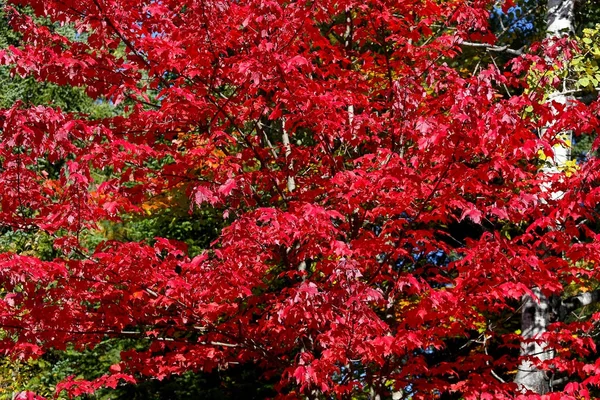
x,y
508,4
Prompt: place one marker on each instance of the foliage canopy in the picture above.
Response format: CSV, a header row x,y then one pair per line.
x,y
370,212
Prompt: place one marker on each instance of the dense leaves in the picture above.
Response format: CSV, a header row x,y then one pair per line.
x,y
384,212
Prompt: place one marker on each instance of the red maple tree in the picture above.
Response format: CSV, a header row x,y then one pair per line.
x,y
386,212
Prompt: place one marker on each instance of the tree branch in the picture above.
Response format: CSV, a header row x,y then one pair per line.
x,y
574,302
491,47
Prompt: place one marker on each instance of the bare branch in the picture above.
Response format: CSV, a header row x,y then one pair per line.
x,y
491,47
578,301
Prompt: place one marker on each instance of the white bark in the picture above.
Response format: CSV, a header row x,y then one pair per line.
x,y
581,300
348,45
536,312
560,16
562,153
291,183
535,317
285,139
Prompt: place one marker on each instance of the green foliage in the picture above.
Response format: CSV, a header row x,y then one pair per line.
x,y
37,244
583,67
584,76
42,375
169,217
15,88
587,15
234,383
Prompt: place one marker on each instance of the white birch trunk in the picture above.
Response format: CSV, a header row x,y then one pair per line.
x,y
287,148
560,16
536,312
535,316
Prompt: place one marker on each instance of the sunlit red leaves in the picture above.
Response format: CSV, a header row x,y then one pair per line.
x,y
419,214
78,387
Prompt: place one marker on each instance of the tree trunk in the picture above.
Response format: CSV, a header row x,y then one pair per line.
x,y
536,311
535,316
559,16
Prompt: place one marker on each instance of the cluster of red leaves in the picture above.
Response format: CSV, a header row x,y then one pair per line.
x,y
390,149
